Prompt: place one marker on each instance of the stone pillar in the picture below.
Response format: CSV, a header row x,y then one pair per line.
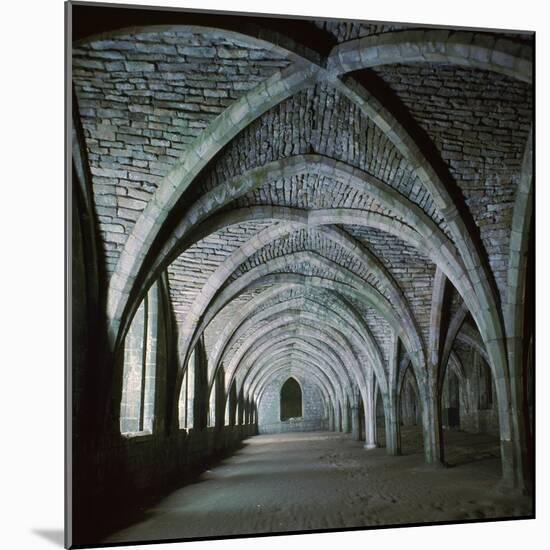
x,y
370,431
248,411
240,409
246,415
370,418
390,404
393,430
232,404
514,414
513,449
338,419
330,418
219,401
346,425
200,400
431,423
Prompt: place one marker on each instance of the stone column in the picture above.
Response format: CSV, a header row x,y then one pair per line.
x,y
514,415
246,411
220,401
346,425
338,419
232,404
240,409
370,418
513,448
370,431
200,400
393,430
391,411
431,423
330,418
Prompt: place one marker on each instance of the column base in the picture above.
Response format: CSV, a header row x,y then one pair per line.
x,y
370,446
506,487
391,452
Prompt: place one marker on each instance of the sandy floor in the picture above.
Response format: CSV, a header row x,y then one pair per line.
x,y
324,480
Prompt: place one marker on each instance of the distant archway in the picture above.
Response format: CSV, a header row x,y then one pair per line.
x,y
291,400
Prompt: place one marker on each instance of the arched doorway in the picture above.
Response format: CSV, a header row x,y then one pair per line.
x,y
291,400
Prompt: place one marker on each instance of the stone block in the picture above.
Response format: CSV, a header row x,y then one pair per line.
x,y
139,66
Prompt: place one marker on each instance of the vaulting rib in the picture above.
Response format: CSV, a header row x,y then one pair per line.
x,y
339,348
247,317
404,144
189,332
479,50
478,272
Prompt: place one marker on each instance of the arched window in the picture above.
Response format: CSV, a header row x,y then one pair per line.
x,y
137,407
187,395
291,400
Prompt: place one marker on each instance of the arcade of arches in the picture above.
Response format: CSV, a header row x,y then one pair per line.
x,y
297,227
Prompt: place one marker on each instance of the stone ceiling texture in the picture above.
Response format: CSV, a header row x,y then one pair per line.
x,y
143,99
354,199
349,30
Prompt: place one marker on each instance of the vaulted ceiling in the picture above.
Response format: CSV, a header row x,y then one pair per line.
x,y
302,198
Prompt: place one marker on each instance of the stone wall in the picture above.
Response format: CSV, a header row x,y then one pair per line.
x,y
269,412
480,421
479,122
143,98
137,469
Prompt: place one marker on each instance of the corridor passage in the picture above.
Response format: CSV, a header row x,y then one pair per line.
x,y
323,227
323,480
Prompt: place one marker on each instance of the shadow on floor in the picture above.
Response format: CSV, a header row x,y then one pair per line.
x,y
55,536
140,510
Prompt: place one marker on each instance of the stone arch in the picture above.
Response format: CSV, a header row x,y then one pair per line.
x,y
269,234
468,48
518,298
368,294
455,325
332,336
245,316
284,363
287,304
291,399
283,356
330,285
287,366
224,128
409,401
346,290
252,350
282,344
430,235
447,209
447,231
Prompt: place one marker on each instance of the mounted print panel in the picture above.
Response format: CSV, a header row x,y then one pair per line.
x,y
301,275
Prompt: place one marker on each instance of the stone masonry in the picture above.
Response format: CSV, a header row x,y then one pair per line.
x,y
350,206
